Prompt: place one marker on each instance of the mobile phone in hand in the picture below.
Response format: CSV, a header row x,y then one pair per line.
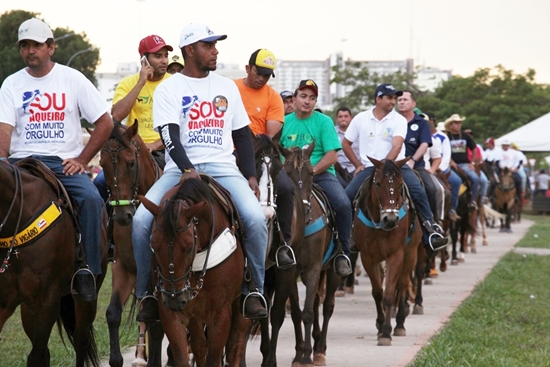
x,y
144,58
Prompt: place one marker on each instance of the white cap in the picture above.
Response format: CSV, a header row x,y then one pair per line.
x,y
35,30
195,32
440,126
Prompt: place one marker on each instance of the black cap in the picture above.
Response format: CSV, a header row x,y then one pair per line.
x,y
386,90
285,94
309,83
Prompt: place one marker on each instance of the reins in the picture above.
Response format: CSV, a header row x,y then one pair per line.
x,y
18,183
188,291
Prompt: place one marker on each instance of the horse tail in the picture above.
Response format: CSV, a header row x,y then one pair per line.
x,y
67,321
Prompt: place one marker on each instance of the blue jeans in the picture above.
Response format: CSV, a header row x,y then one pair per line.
x,y
455,182
89,207
101,185
483,184
340,204
473,177
250,211
416,190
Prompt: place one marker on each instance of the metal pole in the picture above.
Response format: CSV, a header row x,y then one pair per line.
x,y
78,53
64,36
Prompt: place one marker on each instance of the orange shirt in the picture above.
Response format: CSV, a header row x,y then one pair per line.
x,y
261,105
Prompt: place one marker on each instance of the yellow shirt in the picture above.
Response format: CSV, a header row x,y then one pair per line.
x,y
143,107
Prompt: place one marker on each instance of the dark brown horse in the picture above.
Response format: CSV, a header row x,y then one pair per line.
x,y
465,228
505,195
38,245
314,263
192,231
385,230
278,282
129,171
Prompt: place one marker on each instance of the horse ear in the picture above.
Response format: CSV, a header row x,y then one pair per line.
x,y
152,207
132,130
402,162
310,148
194,210
374,161
277,137
285,152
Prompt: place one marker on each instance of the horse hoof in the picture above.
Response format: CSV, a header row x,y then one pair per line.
x,y
418,310
384,342
461,260
474,250
454,262
485,243
350,290
319,359
443,267
428,281
339,293
356,281
139,362
400,332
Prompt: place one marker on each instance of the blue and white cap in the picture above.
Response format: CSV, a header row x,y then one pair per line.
x,y
196,32
386,90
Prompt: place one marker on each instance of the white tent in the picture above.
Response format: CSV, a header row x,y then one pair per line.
x,y
532,137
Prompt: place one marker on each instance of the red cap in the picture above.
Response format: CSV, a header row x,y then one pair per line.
x,y
152,44
490,141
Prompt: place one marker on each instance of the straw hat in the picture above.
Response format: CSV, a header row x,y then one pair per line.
x,y
454,118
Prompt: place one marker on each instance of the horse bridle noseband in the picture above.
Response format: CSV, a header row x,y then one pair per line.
x,y
113,153
393,208
188,291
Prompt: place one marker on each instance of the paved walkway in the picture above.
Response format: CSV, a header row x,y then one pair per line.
x,y
352,335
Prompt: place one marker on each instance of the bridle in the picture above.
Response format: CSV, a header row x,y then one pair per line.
x,y
187,291
18,183
300,168
113,154
267,160
393,209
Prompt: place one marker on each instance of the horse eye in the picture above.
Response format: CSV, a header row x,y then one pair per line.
x,y
378,184
131,164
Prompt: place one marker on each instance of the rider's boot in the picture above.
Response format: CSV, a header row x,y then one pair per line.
x,y
342,265
283,259
254,306
83,285
149,310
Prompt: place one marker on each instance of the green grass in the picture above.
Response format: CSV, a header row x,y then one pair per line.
x,y
15,346
506,320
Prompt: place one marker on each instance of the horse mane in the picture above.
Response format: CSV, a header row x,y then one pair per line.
x,y
193,191
391,168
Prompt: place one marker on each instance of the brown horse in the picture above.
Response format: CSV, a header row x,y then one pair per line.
x,y
192,231
38,245
465,228
314,263
129,171
505,195
385,230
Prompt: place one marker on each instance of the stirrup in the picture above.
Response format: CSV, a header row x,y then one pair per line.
x,y
348,261
253,294
285,247
85,270
439,235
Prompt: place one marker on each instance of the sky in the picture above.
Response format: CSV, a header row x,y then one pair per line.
x,y
461,36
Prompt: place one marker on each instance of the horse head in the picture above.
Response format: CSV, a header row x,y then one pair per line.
x,y
387,191
182,226
298,167
268,165
125,159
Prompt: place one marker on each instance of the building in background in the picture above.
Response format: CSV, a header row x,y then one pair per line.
x,y
290,72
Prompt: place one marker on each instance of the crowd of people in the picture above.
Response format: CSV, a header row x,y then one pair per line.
x,y
195,121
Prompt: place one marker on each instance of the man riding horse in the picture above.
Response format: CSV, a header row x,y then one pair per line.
x,y
49,130
380,133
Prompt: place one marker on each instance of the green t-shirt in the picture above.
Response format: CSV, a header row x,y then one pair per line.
x,y
301,133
